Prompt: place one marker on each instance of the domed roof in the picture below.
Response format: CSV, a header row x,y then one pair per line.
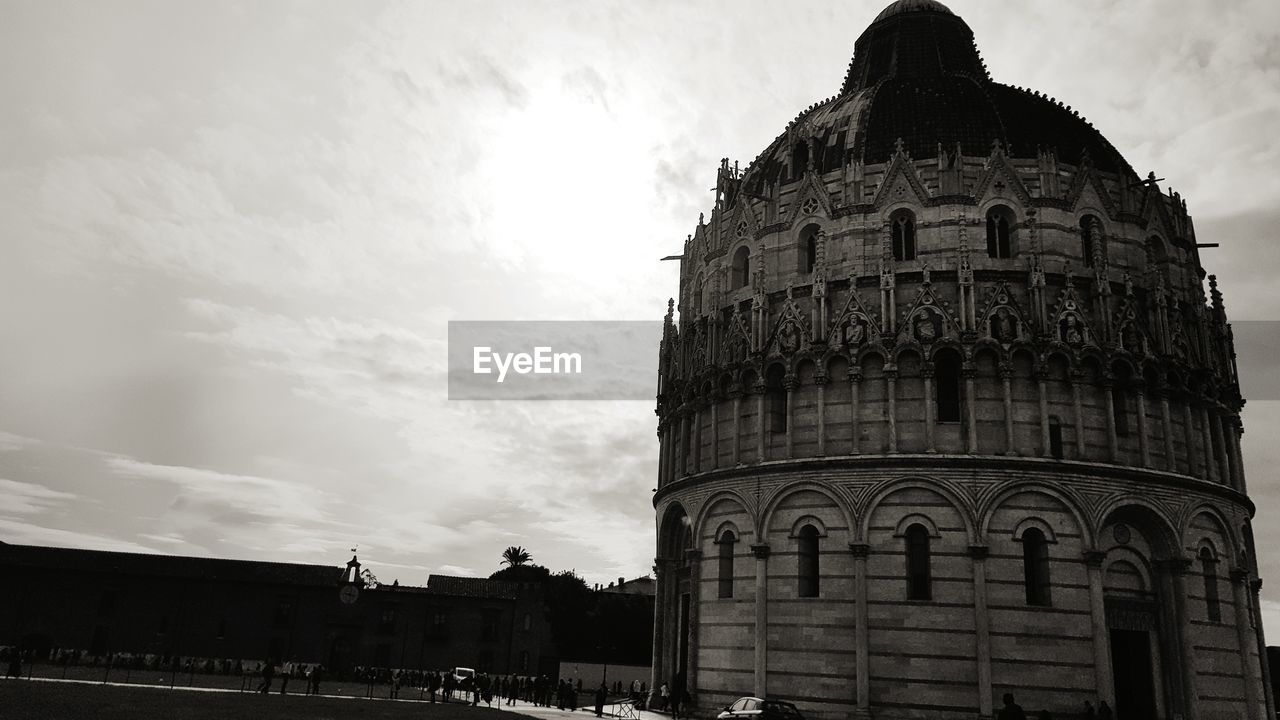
x,y
904,6
917,76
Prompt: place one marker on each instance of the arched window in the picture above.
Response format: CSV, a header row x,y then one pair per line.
x,y
1158,257
946,387
799,159
807,250
1209,569
904,237
1055,437
776,399
740,272
919,585
728,542
528,622
807,559
1035,566
698,286
1090,229
999,233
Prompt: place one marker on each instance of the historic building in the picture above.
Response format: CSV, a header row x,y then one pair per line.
x,y
166,606
947,414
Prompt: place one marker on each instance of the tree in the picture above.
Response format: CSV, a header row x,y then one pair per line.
x,y
515,556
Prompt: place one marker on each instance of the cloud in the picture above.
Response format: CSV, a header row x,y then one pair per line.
x,y
26,498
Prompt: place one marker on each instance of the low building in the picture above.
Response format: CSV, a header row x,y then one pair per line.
x,y
110,602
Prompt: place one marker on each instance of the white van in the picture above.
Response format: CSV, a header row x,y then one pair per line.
x,y
460,674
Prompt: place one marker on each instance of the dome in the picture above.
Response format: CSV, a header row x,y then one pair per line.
x,y
906,6
917,76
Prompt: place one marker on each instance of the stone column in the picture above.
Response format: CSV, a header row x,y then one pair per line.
x,y
736,448
855,384
662,454
1220,466
821,381
759,425
927,372
694,559
789,384
761,551
1101,639
715,432
1006,374
1189,437
971,409
697,438
1113,443
1144,447
1237,429
1077,378
891,382
862,642
1175,570
1170,459
686,457
1248,643
662,578
1206,429
1044,415
982,628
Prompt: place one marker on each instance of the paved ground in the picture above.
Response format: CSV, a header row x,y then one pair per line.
x,y
56,699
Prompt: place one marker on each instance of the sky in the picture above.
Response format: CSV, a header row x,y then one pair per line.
x,y
232,235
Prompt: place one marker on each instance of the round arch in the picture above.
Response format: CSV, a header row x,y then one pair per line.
x,y
988,506
790,489
951,493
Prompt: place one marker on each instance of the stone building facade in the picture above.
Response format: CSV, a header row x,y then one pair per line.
x,y
947,413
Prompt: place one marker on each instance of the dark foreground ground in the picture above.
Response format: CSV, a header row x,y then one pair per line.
x,y
28,700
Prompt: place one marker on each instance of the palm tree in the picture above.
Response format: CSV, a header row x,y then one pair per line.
x,y
515,555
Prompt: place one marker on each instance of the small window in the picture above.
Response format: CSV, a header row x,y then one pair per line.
x,y
807,245
1120,400
776,400
904,237
728,543
807,560
918,576
528,622
1055,437
799,159
1035,566
740,272
999,233
947,386
1209,569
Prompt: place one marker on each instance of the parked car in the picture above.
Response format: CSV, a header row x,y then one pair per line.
x,y
463,674
754,708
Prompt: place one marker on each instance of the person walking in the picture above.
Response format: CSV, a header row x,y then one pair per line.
x,y
601,692
268,674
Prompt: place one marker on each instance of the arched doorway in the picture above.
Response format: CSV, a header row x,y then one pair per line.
x,y
1141,586
677,602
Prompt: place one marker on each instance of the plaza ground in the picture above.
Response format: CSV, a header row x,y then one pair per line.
x,y
58,700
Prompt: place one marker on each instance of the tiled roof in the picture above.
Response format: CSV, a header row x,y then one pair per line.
x,y
473,587
145,565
